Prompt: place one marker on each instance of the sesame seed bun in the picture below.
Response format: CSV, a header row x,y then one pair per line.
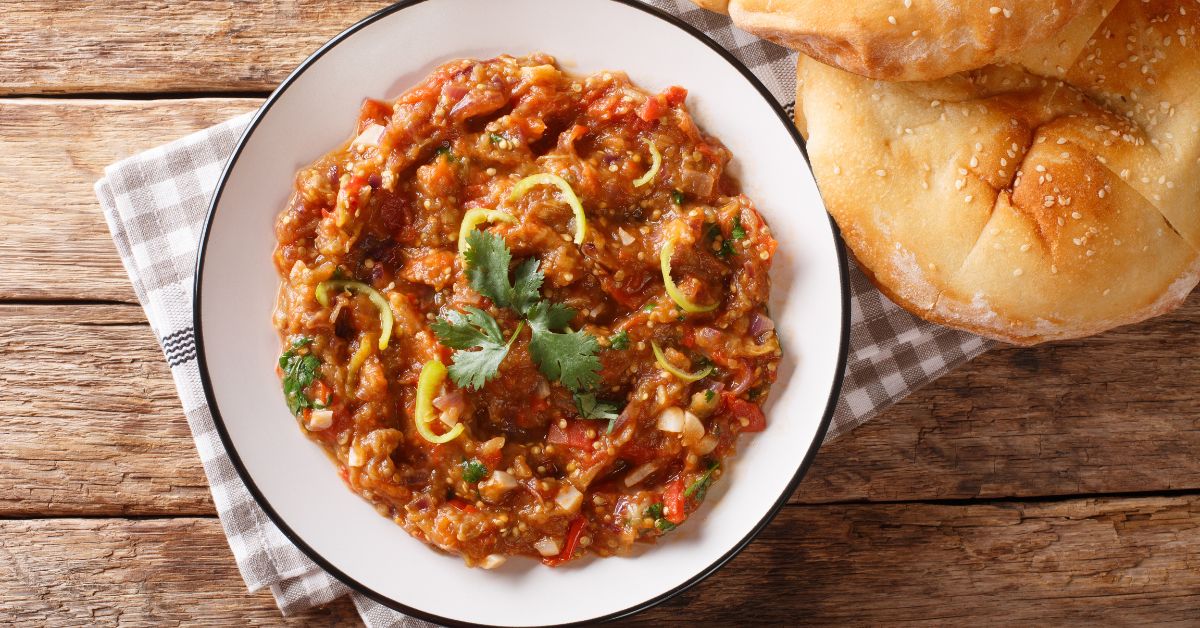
x,y
1052,198
904,40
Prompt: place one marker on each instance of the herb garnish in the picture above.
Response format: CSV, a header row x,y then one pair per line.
x,y
473,471
591,408
299,368
562,355
699,488
655,512
737,232
619,341
677,197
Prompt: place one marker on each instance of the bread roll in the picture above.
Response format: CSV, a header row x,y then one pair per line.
x,y
904,40
1050,199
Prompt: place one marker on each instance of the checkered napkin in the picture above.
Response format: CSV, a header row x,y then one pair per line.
x,y
155,204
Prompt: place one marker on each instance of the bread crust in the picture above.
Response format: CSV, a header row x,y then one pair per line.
x,y
899,40
1054,197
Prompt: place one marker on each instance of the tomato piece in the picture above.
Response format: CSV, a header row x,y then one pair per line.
x,y
638,453
740,409
674,503
373,112
675,95
319,392
574,531
574,436
463,505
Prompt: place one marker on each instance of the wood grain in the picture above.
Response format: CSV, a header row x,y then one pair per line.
x,y
56,244
1080,561
90,420
108,572
93,426
62,46
1119,561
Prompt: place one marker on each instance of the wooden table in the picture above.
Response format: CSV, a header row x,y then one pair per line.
x,y
1057,483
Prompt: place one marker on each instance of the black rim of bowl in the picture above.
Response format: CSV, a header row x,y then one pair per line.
x,y
206,383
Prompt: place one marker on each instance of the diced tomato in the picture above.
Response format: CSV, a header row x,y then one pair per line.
x,y
574,531
740,409
373,112
675,95
688,339
638,453
574,436
463,505
674,503
652,110
319,392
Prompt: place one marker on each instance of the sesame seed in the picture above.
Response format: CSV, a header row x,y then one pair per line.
x,y
892,20
1018,272
994,10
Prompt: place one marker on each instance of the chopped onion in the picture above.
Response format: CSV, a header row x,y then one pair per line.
x,y
504,480
569,498
547,546
626,239
676,371
655,164
492,561
369,137
640,473
671,420
664,263
693,429
475,217
381,304
452,405
706,445
491,446
760,324
545,178
319,420
355,457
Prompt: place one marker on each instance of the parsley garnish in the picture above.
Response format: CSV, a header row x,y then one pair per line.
x,y
473,369
655,511
299,372
473,471
699,488
561,354
677,197
649,306
496,138
569,356
709,394
619,342
737,232
591,408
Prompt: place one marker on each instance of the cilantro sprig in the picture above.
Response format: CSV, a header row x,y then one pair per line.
x,y
592,408
473,471
561,354
299,368
476,330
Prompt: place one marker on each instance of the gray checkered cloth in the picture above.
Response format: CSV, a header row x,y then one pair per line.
x,y
155,204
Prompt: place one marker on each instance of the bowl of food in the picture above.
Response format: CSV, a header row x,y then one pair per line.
x,y
490,310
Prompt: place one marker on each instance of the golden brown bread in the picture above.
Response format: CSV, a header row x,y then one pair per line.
x,y
1051,199
903,40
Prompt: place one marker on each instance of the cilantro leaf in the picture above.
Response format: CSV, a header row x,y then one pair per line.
x,y
619,342
677,197
568,357
488,258
299,372
655,511
473,369
591,408
527,289
473,471
699,488
737,232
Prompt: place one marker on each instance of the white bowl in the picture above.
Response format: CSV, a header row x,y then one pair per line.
x,y
314,110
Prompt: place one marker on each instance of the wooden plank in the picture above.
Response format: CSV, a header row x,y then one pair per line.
x,y
92,425
57,47
91,421
1111,562
55,244
108,572
1113,413
1120,561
